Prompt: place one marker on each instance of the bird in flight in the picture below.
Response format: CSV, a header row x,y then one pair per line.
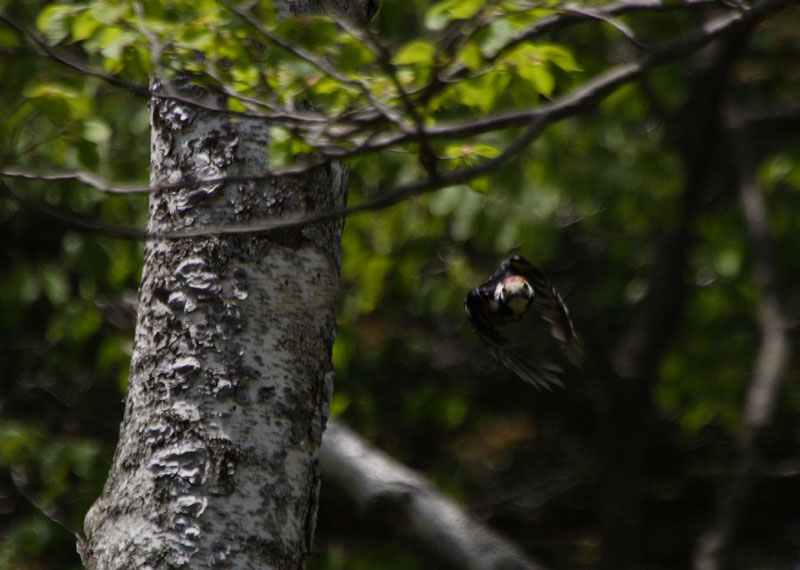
x,y
503,314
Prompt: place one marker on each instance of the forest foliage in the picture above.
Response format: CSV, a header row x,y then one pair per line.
x,y
592,200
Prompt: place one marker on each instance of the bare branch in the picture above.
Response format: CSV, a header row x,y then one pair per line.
x,y
72,220
376,481
637,353
133,88
382,55
468,28
21,484
619,26
772,358
84,177
772,126
559,21
384,200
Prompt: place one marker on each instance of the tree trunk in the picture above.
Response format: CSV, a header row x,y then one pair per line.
x,y
217,460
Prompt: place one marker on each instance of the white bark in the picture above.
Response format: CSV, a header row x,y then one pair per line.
x,y
216,465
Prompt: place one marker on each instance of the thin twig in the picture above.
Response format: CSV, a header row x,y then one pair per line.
x,y
320,64
72,220
579,100
20,484
140,90
427,156
84,177
557,22
596,15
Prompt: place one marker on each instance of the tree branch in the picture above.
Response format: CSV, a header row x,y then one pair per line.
x,y
597,15
637,354
320,64
580,100
772,357
143,91
560,21
375,481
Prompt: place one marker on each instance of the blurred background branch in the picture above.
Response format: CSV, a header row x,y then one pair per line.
x,y
772,357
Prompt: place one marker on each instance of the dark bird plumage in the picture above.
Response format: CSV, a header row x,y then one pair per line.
x,y
498,311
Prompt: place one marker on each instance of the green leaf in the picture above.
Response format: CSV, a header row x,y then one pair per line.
x,y
487,150
53,22
108,13
417,52
482,92
496,35
84,26
462,9
114,39
441,14
372,281
352,54
446,200
85,457
480,184
531,63
471,56
17,443
86,324
456,151
87,153
560,56
8,38
780,169
627,101
469,153
45,89
539,78
24,286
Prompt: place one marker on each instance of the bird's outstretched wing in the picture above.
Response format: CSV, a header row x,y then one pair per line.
x,y
516,288
549,304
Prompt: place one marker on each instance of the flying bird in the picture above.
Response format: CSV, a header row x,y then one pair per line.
x,y
503,313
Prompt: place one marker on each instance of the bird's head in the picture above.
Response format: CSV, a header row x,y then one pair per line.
x,y
513,296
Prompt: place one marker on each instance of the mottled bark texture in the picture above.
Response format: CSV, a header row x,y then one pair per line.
x,y
217,465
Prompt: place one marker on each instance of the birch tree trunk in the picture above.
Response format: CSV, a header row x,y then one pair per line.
x,y
217,460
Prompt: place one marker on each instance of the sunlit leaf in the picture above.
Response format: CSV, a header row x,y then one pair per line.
x,y
441,13
53,22
471,56
418,52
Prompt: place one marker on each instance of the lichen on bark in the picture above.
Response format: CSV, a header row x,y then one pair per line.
x,y
216,464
